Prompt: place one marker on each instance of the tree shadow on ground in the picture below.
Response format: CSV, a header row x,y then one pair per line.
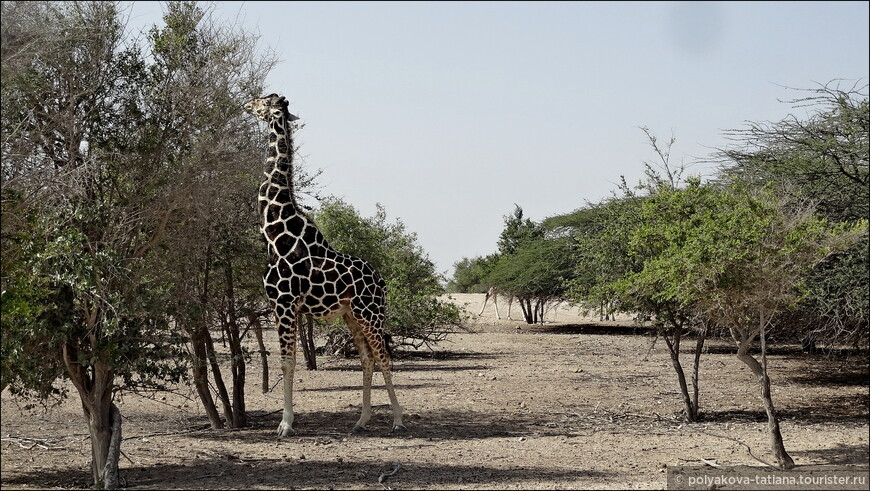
x,y
832,373
376,386
436,425
839,454
618,330
447,355
408,367
419,361
724,346
52,479
229,472
850,409
207,471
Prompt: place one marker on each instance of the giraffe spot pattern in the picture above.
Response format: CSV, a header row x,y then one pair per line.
x,y
305,275
312,278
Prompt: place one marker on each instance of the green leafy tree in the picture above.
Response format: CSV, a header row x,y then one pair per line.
x,y
608,259
214,254
737,257
105,142
469,274
599,233
80,256
516,231
823,157
529,265
415,316
534,273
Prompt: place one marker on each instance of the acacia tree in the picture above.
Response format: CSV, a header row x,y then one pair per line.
x,y
469,274
736,257
102,145
208,69
608,259
415,316
535,274
530,266
823,157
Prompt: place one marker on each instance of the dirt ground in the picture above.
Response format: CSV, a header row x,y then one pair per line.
x,y
573,404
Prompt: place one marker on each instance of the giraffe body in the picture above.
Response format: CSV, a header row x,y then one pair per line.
x,y
307,277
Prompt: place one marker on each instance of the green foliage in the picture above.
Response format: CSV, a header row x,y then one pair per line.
x,y
537,268
469,275
822,158
29,312
153,138
414,313
600,234
530,265
516,231
728,252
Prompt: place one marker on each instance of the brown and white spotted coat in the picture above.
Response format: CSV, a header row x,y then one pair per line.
x,y
306,276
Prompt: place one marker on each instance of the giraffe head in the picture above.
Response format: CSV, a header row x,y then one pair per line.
x,y
269,107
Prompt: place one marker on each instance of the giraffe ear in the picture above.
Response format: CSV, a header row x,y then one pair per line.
x,y
292,117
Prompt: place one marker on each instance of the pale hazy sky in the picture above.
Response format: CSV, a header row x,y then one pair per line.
x,y
449,113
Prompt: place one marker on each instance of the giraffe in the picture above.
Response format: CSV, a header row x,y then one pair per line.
x,y
493,293
306,276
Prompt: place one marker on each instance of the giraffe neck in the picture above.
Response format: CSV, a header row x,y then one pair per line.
x,y
282,220
279,161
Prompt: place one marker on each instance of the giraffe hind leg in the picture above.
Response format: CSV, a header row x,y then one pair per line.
x,y
373,349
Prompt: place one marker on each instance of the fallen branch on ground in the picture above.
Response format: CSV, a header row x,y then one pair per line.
x,y
748,449
34,442
383,477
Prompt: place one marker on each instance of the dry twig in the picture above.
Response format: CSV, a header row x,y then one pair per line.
x,y
383,477
33,442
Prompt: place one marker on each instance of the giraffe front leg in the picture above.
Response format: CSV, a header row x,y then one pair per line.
x,y
287,340
365,357
287,367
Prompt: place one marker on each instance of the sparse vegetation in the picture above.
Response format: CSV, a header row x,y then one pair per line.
x,y
130,240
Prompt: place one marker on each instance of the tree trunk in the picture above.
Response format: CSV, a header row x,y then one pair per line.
x,y
782,457
218,379
539,311
198,334
306,339
200,379
674,351
760,370
112,480
237,363
98,412
603,311
526,305
254,319
94,384
699,346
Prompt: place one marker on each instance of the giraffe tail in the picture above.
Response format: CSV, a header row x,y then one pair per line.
x,y
388,342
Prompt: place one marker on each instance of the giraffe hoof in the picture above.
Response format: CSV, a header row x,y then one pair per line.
x,y
398,429
359,429
285,430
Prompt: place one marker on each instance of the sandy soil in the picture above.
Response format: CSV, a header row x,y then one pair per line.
x,y
572,404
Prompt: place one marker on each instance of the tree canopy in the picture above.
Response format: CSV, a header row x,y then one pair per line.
x,y
415,316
